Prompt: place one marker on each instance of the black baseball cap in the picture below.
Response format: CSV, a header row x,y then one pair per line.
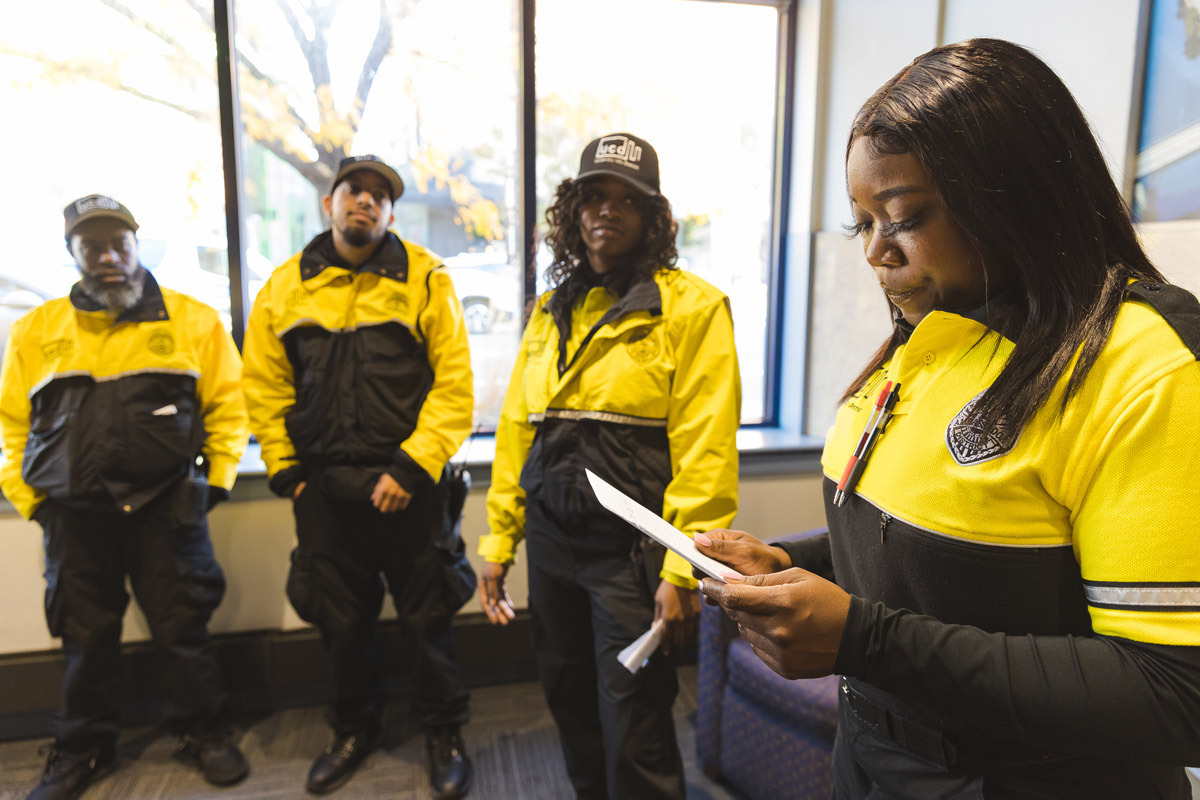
x,y
374,164
93,206
623,156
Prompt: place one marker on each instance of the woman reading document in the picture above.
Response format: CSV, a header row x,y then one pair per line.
x,y
1011,587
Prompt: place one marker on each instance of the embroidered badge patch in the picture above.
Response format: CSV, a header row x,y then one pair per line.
x,y
970,444
57,348
162,344
397,303
643,346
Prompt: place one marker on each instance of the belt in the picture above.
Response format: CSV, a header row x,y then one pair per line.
x,y
916,738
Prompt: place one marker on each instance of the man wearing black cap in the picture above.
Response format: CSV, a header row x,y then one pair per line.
x,y
123,423
358,383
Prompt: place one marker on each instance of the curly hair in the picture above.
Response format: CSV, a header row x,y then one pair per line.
x,y
656,250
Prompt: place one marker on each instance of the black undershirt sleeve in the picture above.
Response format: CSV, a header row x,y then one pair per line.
x,y
811,553
1094,695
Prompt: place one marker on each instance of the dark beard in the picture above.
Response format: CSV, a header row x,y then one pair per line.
x,y
118,298
356,237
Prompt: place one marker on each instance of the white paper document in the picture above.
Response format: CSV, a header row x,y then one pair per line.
x,y
655,527
637,654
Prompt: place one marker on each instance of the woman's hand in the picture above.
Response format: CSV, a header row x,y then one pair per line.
x,y
742,552
493,596
793,619
680,609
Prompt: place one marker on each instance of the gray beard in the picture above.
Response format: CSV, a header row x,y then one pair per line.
x,y
119,298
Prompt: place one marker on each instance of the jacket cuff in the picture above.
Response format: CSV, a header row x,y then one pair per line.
x,y
856,646
497,549
406,472
222,472
677,572
284,482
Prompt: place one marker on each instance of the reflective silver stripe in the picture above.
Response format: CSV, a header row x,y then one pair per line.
x,y
75,373
1144,595
599,416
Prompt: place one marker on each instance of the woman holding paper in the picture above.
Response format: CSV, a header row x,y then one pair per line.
x,y
1016,610
627,367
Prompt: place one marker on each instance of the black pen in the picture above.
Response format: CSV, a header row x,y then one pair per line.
x,y
858,462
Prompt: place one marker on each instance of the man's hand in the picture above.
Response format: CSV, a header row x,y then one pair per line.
x,y
680,609
493,596
299,488
741,551
793,619
389,496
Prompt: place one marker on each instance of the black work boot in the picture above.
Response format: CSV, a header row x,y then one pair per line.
x,y
335,766
450,768
68,773
216,755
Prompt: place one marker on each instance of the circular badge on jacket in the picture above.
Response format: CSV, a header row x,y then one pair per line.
x,y
969,443
162,343
643,345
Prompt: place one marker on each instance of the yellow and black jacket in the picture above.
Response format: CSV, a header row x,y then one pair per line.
x,y
103,412
366,368
645,391
1036,592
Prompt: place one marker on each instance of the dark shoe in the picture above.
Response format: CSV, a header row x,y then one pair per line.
x,y
217,756
335,766
450,768
67,774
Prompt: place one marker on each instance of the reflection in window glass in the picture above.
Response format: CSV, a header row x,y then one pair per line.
x,y
118,98
432,88
711,119
1168,165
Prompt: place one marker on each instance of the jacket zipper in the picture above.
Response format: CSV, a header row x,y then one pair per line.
x,y
884,519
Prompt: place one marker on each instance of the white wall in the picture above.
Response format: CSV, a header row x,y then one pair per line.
x,y
252,539
1091,44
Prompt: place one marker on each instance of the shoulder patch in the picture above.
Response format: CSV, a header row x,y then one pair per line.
x,y
970,444
1177,306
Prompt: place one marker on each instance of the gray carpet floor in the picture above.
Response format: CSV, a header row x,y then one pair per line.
x,y
511,738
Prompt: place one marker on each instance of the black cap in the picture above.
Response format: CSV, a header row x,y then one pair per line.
x,y
93,206
374,164
623,156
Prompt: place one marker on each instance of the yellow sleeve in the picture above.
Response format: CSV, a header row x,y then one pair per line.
x,y
222,404
505,497
267,382
15,409
702,422
1138,511
445,418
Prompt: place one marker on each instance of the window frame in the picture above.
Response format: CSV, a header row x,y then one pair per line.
x,y
777,262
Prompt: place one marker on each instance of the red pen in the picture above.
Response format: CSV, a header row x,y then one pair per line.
x,y
875,426
862,440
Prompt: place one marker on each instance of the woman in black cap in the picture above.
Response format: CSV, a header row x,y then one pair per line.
x,y
627,368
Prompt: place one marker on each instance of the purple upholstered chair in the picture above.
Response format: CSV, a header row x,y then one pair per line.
x,y
770,738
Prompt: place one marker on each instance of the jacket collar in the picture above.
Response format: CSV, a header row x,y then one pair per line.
x,y
644,295
151,308
979,313
390,259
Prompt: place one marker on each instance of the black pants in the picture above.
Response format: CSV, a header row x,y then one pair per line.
x,y
169,560
616,729
335,584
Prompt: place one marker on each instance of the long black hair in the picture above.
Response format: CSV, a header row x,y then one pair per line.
x,y
1008,148
569,273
